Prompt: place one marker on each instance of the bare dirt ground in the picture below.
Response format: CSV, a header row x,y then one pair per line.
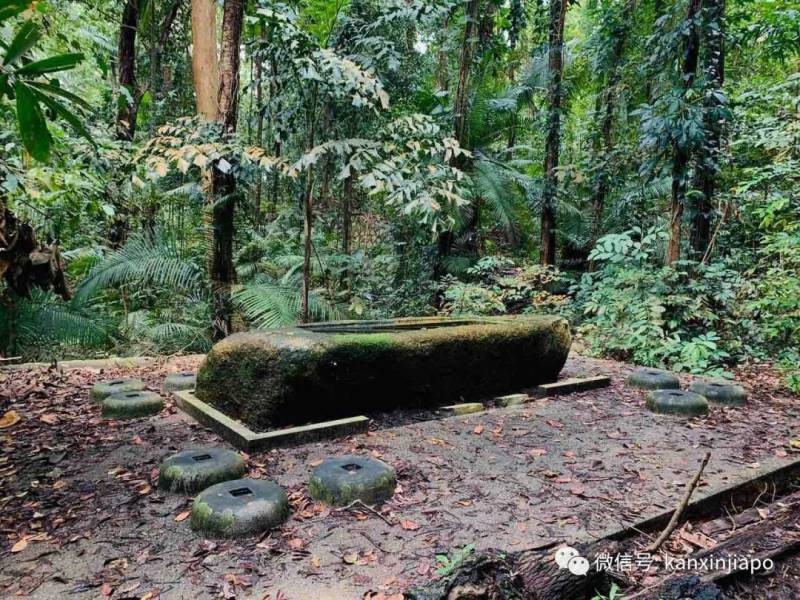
x,y
81,516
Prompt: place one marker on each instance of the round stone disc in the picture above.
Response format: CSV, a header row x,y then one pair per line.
x,y
102,390
196,469
179,381
654,379
239,507
131,405
677,402
340,481
721,392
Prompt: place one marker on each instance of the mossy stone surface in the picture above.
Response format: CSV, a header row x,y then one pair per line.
x,y
333,370
340,481
512,400
467,408
104,389
721,392
131,405
654,379
177,382
193,470
677,402
239,508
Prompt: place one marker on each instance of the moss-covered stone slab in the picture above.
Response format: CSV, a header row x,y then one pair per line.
x,y
677,402
573,385
239,508
131,405
721,392
179,381
512,400
104,389
466,408
193,470
333,370
340,481
654,379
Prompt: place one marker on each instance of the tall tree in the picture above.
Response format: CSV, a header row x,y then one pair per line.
x,y
603,147
223,184
129,97
205,66
680,147
558,13
460,117
714,123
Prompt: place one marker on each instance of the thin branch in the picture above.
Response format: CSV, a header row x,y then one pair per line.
x,y
676,516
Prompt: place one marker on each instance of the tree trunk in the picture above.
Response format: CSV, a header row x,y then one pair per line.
x,y
558,12
680,152
308,204
205,67
259,81
606,110
460,114
222,271
709,159
461,103
228,94
128,102
157,54
528,574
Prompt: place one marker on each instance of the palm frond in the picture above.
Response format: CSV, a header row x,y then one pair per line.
x,y
142,261
269,304
45,319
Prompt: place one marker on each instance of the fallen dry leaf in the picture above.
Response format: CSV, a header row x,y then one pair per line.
x,y
409,525
20,545
183,516
49,418
9,419
478,429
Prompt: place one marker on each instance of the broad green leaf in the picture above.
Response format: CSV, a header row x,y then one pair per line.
x,y
66,114
61,62
32,126
23,41
10,8
55,90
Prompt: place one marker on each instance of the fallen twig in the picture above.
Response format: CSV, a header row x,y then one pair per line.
x,y
360,504
676,516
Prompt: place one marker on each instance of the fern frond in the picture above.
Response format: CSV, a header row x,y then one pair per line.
x,y
145,262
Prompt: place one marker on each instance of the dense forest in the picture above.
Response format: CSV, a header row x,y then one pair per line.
x,y
176,171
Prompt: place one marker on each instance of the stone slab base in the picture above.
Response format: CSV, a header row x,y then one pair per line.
x,y
572,385
250,441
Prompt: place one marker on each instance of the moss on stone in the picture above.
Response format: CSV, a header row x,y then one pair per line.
x,y
194,470
654,379
340,481
102,390
131,405
221,511
332,370
179,381
677,402
721,392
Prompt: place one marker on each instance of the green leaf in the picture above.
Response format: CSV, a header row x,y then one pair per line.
x,y
24,40
61,62
57,91
11,8
32,126
66,114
